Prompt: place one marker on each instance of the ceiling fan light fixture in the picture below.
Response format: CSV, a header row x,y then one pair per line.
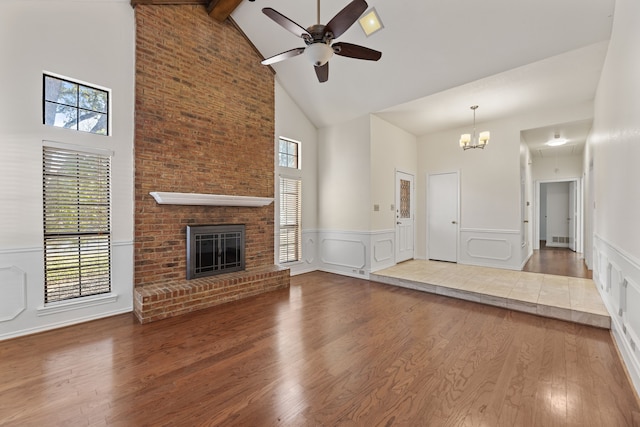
x,y
319,53
370,22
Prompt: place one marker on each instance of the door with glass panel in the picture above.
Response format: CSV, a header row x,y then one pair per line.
x,y
405,216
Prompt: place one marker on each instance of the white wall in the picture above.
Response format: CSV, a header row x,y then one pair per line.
x,y
614,149
490,192
543,212
344,167
557,212
560,167
526,202
392,149
344,197
290,122
91,42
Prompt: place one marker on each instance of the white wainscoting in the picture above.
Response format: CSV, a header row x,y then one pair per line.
x,y
309,260
490,248
617,276
383,249
22,309
355,253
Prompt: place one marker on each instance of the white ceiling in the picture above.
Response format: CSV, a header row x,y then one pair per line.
x,y
439,57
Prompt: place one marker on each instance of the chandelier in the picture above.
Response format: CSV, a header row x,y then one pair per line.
x,y
467,142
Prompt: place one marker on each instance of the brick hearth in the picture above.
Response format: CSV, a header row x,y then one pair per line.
x,y
172,298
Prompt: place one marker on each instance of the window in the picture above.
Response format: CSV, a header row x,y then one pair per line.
x,y
71,105
288,155
290,220
77,229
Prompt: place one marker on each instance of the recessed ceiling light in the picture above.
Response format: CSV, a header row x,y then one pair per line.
x,y
556,141
370,22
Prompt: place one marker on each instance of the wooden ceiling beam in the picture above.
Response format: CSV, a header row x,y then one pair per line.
x,y
217,9
221,9
134,3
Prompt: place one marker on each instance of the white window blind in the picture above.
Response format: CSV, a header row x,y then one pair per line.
x,y
77,228
290,220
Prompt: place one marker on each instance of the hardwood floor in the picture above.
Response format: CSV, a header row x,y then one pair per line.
x,y
558,261
330,351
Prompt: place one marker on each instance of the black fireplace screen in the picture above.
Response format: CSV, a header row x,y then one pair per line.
x,y
214,249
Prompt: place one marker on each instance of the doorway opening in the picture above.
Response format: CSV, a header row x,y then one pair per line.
x,y
558,214
558,241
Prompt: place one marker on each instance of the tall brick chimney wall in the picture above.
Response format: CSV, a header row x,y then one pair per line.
x,y
204,124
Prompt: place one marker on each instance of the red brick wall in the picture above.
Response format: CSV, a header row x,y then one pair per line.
x,y
204,124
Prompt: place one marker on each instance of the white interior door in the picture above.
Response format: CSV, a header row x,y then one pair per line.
x,y
442,216
405,217
573,191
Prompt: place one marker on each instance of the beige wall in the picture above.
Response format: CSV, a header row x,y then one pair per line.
x,y
392,149
344,168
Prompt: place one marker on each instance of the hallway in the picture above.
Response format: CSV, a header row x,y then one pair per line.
x,y
558,261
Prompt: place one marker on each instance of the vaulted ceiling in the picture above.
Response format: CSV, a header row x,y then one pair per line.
x,y
438,58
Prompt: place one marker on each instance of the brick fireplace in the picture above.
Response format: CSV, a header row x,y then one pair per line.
x,y
204,124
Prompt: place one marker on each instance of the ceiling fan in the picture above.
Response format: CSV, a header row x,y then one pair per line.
x,y
319,38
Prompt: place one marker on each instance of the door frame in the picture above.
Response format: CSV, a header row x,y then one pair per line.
x,y
579,212
427,199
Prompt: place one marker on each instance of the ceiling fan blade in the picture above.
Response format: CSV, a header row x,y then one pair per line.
x,y
282,56
285,22
346,17
355,51
322,72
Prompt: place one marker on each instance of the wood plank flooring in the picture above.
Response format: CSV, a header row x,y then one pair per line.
x,y
330,351
559,261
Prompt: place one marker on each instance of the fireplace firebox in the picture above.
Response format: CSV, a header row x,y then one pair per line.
x,y
214,249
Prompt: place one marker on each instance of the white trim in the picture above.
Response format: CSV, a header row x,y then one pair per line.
x,y
198,199
484,239
78,148
75,304
635,262
488,230
579,237
75,321
21,284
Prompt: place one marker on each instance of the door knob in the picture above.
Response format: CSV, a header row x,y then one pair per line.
x,y
454,222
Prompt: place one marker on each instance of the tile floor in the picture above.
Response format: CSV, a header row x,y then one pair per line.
x,y
566,298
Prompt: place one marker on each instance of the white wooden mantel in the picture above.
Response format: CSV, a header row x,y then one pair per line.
x,y
197,199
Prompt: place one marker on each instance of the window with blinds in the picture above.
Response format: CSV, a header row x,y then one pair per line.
x,y
77,229
290,219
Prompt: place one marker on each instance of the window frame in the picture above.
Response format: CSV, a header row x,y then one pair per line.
x,y
297,156
93,239
77,107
